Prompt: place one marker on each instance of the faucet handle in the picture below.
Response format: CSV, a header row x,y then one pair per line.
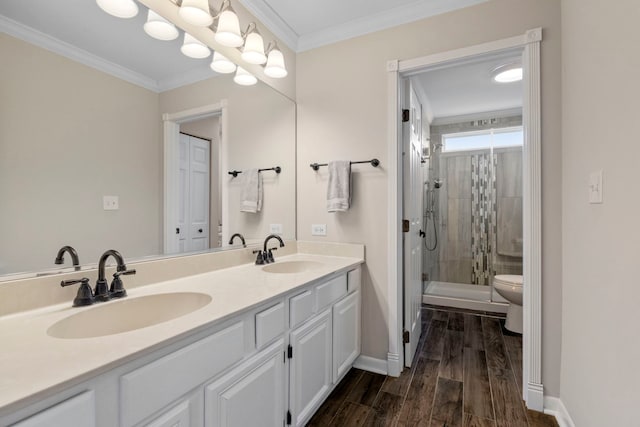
x,y
117,289
260,258
84,295
270,255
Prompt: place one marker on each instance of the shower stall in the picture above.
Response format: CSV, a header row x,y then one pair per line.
x,y
472,212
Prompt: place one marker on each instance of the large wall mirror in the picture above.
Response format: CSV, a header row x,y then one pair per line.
x,y
82,142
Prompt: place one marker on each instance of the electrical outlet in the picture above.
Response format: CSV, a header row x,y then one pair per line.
x,y
110,203
275,228
318,229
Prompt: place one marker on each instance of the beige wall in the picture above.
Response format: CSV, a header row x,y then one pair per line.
x,y
261,134
68,136
342,101
600,91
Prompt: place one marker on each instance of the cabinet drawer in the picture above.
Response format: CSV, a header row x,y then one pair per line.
x,y
269,324
77,411
152,387
300,308
331,291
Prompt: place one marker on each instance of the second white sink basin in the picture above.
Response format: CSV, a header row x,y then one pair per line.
x,y
291,267
128,314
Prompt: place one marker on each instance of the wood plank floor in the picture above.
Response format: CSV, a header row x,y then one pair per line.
x,y
467,372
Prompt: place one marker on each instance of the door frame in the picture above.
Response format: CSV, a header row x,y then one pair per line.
x,y
171,135
529,45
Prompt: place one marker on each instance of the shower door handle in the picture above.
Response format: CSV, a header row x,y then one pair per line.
x,y
422,234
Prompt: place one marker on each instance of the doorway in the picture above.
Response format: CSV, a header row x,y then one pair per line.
x,y
528,47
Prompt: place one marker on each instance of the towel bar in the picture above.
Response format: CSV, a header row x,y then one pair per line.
x,y
277,169
374,162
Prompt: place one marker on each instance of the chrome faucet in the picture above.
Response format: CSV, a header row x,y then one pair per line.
x,y
74,257
239,236
102,292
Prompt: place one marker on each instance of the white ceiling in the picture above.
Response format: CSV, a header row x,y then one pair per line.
x,y
91,36
306,24
468,88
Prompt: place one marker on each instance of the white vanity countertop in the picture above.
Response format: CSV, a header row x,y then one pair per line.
x,y
34,365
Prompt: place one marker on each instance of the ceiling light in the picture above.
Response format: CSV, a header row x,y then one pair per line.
x,y
196,12
244,78
221,64
275,64
159,28
194,48
253,51
507,73
119,8
228,32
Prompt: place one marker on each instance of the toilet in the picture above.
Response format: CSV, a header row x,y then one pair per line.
x,y
509,286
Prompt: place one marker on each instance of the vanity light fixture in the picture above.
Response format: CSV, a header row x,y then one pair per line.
x,y
159,28
221,64
507,73
119,8
194,48
228,31
275,63
196,12
244,78
253,51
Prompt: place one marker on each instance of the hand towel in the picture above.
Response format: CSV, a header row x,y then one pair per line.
x,y
251,193
339,188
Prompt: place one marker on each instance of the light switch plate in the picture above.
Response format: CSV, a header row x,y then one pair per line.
x,y
275,228
110,203
318,229
595,187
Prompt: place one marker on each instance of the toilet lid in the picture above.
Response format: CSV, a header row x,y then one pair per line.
x,y
509,279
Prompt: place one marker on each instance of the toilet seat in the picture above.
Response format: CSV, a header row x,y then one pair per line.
x,y
513,280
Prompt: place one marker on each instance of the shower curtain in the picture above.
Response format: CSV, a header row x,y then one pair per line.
x,y
483,216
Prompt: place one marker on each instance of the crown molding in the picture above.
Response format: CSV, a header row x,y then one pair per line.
x,y
52,44
273,21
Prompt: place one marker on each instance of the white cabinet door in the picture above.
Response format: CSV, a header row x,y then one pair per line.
x,y
346,334
78,411
175,417
251,394
310,367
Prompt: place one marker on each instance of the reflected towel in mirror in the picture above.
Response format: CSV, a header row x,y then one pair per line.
x,y
251,193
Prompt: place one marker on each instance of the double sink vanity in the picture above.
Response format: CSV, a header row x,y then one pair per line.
x,y
237,344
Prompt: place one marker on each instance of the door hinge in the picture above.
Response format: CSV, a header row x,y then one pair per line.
x,y
405,337
405,115
406,225
290,352
288,418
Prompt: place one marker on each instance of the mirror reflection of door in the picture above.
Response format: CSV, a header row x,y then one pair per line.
x,y
198,225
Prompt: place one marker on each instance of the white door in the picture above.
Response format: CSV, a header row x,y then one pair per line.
x,y
310,367
346,334
194,174
412,196
253,394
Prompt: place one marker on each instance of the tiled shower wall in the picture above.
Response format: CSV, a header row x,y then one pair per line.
x,y
451,261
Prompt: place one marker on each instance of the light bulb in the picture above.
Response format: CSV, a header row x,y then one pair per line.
x,y
275,64
194,48
196,12
253,51
119,8
159,28
244,78
228,32
221,64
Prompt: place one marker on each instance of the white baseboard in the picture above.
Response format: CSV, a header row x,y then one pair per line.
x,y
371,364
535,396
554,406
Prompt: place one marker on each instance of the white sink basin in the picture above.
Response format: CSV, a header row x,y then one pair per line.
x,y
128,314
291,267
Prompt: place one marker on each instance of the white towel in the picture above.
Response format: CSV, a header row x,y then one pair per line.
x,y
339,189
251,193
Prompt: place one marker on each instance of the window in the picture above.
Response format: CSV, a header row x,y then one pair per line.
x,y
483,139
